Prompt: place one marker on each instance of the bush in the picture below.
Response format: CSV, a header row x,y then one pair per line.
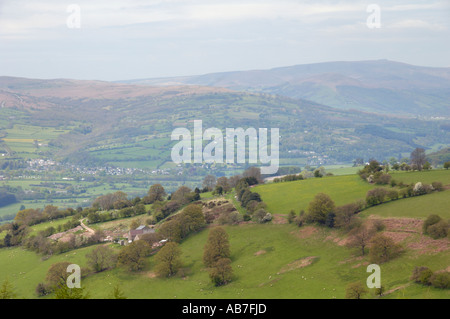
x,y
425,277
383,249
262,216
421,189
437,186
319,208
43,289
431,220
417,273
392,194
291,216
441,280
382,179
438,230
378,225
375,196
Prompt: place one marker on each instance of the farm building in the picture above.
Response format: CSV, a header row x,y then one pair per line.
x,y
135,233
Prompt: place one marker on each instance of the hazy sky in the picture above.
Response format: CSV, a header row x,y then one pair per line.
x,y
120,40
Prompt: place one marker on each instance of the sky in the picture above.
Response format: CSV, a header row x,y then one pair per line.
x,y
118,40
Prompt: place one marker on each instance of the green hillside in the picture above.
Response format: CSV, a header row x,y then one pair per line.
x,y
264,262
272,260
415,207
282,197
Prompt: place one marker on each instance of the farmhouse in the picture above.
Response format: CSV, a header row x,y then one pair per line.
x,y
135,233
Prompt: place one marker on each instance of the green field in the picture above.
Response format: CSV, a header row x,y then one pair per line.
x,y
427,177
415,207
262,257
282,197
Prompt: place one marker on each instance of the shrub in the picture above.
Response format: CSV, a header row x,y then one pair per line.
x,y
43,289
383,249
425,277
421,189
417,273
355,290
441,280
378,225
375,196
291,216
221,273
438,230
437,186
319,208
431,220
382,179
392,194
262,216
330,220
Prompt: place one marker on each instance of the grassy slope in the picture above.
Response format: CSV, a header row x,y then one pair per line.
x,y
255,276
282,197
415,207
427,177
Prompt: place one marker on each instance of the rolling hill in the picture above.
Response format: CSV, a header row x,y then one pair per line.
x,y
379,86
129,125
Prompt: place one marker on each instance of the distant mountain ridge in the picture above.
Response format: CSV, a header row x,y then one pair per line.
x,y
95,123
379,86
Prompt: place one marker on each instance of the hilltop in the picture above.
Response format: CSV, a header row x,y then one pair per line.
x,y
379,86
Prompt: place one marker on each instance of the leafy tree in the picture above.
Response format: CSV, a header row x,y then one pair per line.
x,y
101,258
217,246
319,208
156,193
447,165
168,260
224,183
426,166
191,219
222,272
132,256
171,230
355,290
7,290
181,195
57,274
64,292
383,249
253,172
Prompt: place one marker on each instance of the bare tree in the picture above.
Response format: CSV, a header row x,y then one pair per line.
x,y
360,237
418,158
